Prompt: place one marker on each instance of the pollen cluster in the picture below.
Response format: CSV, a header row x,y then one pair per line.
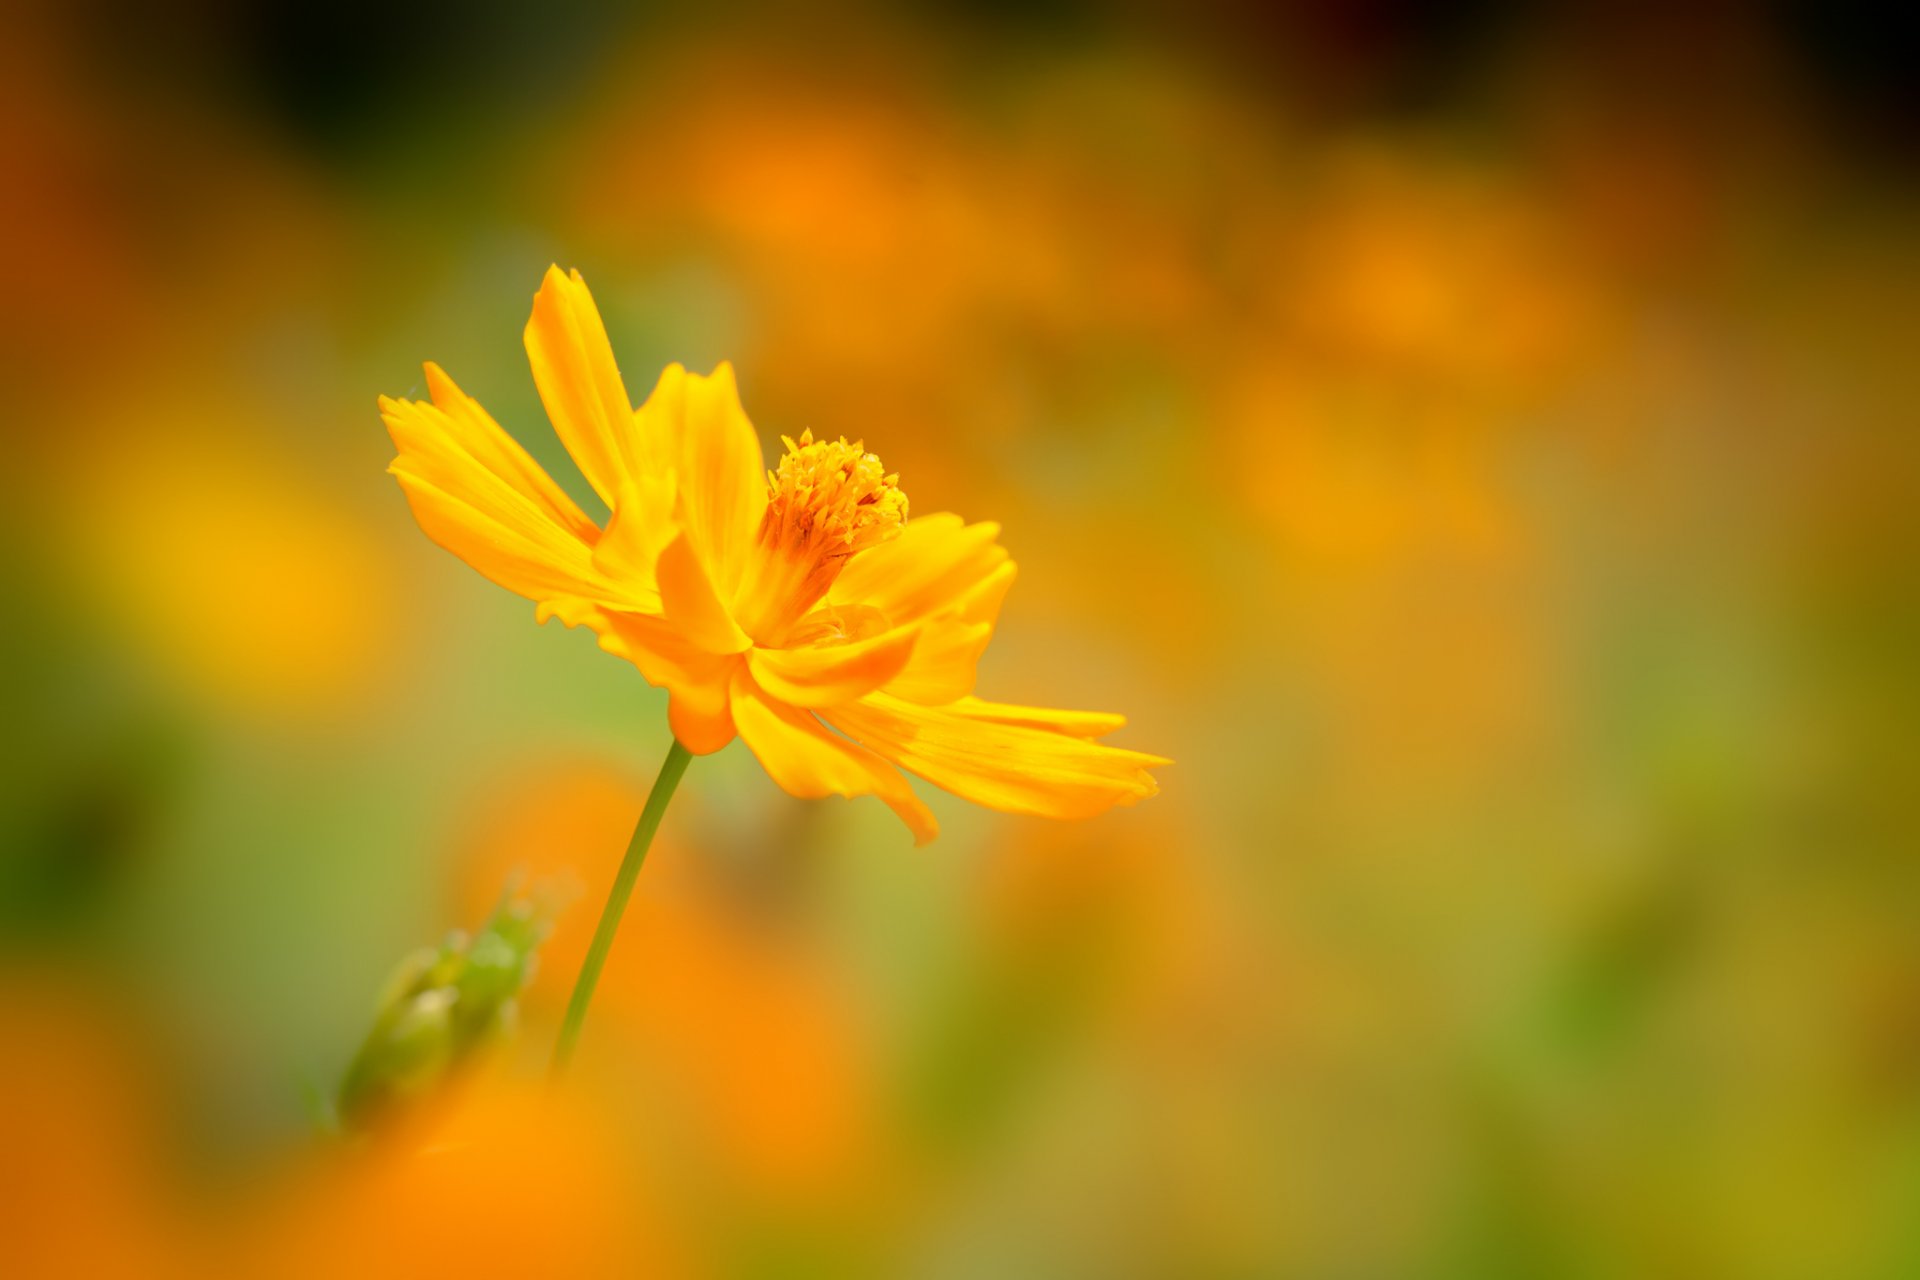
x,y
832,498
828,500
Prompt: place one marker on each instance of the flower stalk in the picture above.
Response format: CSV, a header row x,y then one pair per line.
x,y
671,770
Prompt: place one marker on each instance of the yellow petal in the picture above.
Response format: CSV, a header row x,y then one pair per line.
x,y
943,663
502,525
1076,724
720,473
808,760
580,385
838,624
947,659
500,453
663,654
698,682
1012,767
824,675
638,531
688,603
938,563
980,602
572,612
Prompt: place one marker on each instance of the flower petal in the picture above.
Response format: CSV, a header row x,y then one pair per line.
x,y
821,676
701,716
489,445
638,531
807,760
663,655
937,563
689,605
580,384
1013,767
697,681
1075,724
720,472
947,659
502,522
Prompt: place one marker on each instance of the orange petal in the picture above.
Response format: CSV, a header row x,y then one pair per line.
x,y
663,654
720,473
697,681
824,675
701,715
938,563
580,385
807,760
689,605
502,524
1012,767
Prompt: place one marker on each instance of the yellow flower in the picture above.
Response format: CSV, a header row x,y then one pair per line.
x,y
779,606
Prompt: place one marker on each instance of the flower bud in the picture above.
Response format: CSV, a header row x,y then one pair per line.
x,y
442,1007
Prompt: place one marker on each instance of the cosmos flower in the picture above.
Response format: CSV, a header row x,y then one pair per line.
x,y
799,609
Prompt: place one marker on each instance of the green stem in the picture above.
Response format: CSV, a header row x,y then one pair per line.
x,y
670,771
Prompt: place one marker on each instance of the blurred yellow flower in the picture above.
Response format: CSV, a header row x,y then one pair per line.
x,y
779,606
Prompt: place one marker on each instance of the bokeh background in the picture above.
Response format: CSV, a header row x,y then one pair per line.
x,y
1476,442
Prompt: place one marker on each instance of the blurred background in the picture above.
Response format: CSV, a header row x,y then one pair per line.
x,y
1475,441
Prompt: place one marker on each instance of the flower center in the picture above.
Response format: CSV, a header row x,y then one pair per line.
x,y
827,501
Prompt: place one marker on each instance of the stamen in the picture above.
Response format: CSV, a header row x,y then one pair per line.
x,y
828,500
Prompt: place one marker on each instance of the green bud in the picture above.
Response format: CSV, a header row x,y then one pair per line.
x,y
441,1008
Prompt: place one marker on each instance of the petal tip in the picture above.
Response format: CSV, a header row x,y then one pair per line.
x,y
913,811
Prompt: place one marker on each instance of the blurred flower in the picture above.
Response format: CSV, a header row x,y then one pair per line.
x,y
776,613
155,504
511,1179
78,1142
443,1005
